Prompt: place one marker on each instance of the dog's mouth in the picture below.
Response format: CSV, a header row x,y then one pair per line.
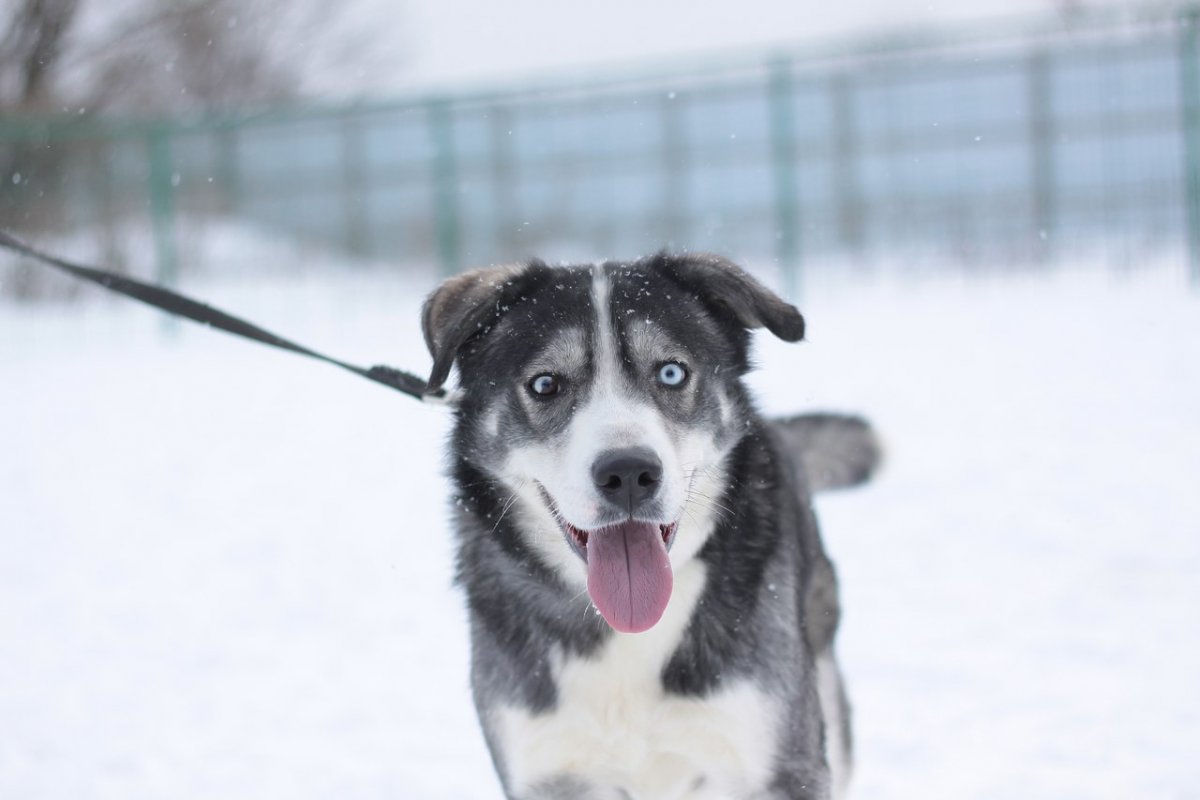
x,y
578,537
629,575
628,571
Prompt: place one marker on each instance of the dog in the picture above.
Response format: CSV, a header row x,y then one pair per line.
x,y
652,613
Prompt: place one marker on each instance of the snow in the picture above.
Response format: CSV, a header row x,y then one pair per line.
x,y
226,571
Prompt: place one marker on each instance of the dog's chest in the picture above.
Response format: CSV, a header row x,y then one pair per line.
x,y
616,732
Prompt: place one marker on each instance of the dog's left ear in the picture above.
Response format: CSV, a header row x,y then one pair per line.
x,y
725,285
460,308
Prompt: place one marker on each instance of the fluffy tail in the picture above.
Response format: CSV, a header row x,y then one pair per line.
x,y
833,451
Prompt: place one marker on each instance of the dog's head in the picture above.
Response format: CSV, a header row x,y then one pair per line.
x,y
604,400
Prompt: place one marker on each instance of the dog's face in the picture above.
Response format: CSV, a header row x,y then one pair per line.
x,y
604,399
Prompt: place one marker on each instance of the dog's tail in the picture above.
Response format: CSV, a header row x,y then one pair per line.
x,y
833,451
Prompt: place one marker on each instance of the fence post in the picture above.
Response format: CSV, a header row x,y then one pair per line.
x,y
675,169
229,191
1189,62
506,210
845,154
781,106
445,185
356,228
1041,149
162,181
101,196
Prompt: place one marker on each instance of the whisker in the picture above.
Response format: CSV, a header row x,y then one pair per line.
x,y
711,503
512,499
719,511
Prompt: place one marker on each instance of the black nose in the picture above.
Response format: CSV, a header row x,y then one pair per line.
x,y
629,477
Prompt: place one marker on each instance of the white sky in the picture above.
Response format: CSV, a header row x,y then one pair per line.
x,y
467,41
381,47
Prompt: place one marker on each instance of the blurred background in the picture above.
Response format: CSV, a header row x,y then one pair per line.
x,y
227,572
967,140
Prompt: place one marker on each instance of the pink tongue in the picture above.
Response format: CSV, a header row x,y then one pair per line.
x,y
629,575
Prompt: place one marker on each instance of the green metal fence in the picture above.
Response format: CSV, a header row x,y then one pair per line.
x,y
1015,144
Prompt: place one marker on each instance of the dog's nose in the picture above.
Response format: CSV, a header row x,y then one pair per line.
x,y
628,477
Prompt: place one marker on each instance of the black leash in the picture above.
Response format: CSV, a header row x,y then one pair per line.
x,y
181,306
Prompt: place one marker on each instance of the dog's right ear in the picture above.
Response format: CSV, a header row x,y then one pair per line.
x,y
458,309
732,290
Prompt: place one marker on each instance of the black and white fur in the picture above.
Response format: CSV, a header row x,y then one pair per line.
x,y
734,692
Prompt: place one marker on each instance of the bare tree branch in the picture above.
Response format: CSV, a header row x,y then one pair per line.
x,y
30,50
168,56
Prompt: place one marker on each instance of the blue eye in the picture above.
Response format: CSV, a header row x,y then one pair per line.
x,y
672,374
544,385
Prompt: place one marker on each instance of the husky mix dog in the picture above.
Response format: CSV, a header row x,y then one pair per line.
x,y
652,611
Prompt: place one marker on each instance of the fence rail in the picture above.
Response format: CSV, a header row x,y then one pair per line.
x,y
1018,145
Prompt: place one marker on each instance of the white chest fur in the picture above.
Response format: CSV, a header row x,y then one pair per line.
x,y
615,729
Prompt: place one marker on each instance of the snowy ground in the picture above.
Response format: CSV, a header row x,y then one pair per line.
x,y
225,572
